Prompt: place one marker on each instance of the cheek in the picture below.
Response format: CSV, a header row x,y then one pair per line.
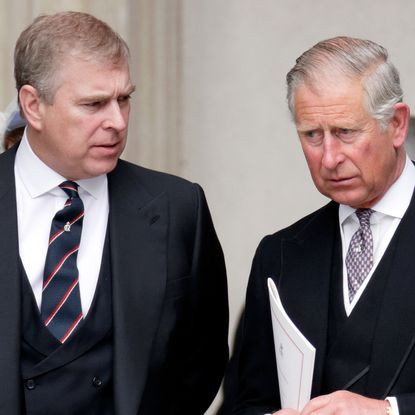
x,y
74,144
88,127
126,113
82,135
369,159
313,159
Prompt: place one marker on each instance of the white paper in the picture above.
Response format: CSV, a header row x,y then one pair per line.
x,y
295,355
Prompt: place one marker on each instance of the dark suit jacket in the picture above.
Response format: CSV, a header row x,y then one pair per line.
x,y
169,294
299,259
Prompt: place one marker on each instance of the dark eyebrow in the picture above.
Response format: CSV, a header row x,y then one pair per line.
x,y
103,97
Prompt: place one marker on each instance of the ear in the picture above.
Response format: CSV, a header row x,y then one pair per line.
x,y
31,105
400,124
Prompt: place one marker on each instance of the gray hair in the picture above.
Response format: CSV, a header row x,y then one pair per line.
x,y
352,58
42,48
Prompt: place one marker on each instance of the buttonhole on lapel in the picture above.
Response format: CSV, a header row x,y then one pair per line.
x,y
154,219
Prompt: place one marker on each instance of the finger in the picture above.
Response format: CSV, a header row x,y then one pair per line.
x,y
315,406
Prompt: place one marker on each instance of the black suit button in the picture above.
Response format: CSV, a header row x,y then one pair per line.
x,y
30,384
97,382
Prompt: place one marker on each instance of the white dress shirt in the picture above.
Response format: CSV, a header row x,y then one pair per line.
x,y
383,224
384,221
38,198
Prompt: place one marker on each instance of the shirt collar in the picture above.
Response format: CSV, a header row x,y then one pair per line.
x,y
38,178
401,190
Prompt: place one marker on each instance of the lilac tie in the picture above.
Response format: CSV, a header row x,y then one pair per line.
x,y
61,305
359,258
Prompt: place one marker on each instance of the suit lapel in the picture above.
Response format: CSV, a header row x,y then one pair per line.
x,y
138,231
305,281
10,302
394,337
306,300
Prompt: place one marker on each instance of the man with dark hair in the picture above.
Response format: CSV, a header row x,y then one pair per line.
x,y
113,286
345,273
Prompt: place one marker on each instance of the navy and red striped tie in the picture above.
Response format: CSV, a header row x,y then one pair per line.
x,y
61,304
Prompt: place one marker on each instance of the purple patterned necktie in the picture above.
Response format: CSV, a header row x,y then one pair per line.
x,y
359,258
61,304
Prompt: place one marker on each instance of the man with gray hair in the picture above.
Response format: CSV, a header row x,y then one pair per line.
x,y
345,273
108,271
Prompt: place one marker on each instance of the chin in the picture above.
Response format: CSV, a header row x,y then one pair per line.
x,y
102,168
354,203
341,199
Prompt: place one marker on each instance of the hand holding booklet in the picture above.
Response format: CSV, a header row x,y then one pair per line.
x,y
295,355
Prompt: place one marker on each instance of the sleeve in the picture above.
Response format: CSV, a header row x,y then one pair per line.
x,y
405,404
201,362
394,404
256,373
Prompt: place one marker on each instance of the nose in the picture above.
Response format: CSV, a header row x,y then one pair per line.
x,y
332,152
116,116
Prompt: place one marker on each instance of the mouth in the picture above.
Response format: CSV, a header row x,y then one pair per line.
x,y
109,145
343,181
109,148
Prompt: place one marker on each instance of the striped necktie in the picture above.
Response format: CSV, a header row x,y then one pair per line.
x,y
61,304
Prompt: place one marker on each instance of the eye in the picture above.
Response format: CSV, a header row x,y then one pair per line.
x,y
311,136
345,133
124,99
94,104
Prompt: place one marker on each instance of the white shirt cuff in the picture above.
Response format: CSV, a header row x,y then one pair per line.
x,y
394,404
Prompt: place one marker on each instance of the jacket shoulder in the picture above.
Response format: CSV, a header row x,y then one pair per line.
x,y
154,181
185,199
313,222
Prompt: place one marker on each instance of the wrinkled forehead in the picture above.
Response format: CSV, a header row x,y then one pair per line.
x,y
76,58
329,86
81,55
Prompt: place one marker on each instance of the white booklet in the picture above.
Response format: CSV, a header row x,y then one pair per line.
x,y
294,354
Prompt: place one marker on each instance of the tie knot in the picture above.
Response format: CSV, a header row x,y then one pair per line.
x,y
70,188
364,216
